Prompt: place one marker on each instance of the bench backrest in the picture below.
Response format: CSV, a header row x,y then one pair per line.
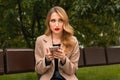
x,y
1,62
113,55
23,60
19,60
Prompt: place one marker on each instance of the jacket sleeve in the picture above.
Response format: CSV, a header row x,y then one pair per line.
x,y
71,64
40,66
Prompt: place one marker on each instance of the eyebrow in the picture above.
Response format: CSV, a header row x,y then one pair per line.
x,y
55,19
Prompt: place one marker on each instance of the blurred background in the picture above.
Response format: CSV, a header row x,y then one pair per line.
x,y
96,24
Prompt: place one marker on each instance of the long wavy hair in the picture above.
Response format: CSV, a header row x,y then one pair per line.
x,y
68,31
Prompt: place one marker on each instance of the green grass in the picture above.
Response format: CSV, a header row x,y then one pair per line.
x,y
110,72
20,76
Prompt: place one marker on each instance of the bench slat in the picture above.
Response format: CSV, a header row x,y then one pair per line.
x,y
113,54
94,56
1,62
19,60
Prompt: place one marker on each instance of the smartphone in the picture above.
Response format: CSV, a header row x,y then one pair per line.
x,y
54,48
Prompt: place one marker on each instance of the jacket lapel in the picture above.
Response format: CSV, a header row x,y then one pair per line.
x,y
47,41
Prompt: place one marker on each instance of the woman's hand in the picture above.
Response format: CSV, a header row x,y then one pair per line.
x,y
59,54
49,56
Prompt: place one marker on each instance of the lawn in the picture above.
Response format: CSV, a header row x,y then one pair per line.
x,y
110,72
20,76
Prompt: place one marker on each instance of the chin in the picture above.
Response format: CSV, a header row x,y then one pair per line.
x,y
57,32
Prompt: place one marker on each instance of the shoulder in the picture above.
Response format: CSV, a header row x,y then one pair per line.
x,y
41,37
75,38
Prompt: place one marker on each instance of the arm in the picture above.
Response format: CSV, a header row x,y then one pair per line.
x,y
40,66
71,64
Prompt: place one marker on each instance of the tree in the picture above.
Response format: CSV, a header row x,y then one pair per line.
x,y
96,22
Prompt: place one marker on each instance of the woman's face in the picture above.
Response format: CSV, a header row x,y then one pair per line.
x,y
56,23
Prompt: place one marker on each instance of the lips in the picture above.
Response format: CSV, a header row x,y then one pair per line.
x,y
57,29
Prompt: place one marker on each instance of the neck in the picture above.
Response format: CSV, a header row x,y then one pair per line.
x,y
56,38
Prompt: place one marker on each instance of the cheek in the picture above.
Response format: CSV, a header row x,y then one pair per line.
x,y
61,26
51,27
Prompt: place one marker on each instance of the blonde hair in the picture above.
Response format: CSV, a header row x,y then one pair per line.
x,y
67,39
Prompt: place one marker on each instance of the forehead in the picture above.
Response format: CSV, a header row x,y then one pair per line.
x,y
54,15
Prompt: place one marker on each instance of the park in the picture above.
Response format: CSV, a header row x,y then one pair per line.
x,y
96,25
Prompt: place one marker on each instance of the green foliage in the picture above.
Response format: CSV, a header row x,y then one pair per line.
x,y
96,22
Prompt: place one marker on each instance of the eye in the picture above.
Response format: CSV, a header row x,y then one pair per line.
x,y
60,20
52,20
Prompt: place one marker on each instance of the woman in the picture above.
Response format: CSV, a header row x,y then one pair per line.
x,y
60,63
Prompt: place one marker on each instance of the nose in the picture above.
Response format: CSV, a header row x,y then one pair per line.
x,y
56,24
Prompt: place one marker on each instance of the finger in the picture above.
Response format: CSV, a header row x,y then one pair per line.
x,y
48,57
46,50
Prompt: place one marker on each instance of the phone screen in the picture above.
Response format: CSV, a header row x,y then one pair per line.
x,y
54,48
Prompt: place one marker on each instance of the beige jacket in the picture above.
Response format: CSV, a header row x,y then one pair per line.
x,y
67,70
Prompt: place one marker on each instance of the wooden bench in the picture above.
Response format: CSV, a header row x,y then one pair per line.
x,y
23,60
19,60
113,55
96,56
1,62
